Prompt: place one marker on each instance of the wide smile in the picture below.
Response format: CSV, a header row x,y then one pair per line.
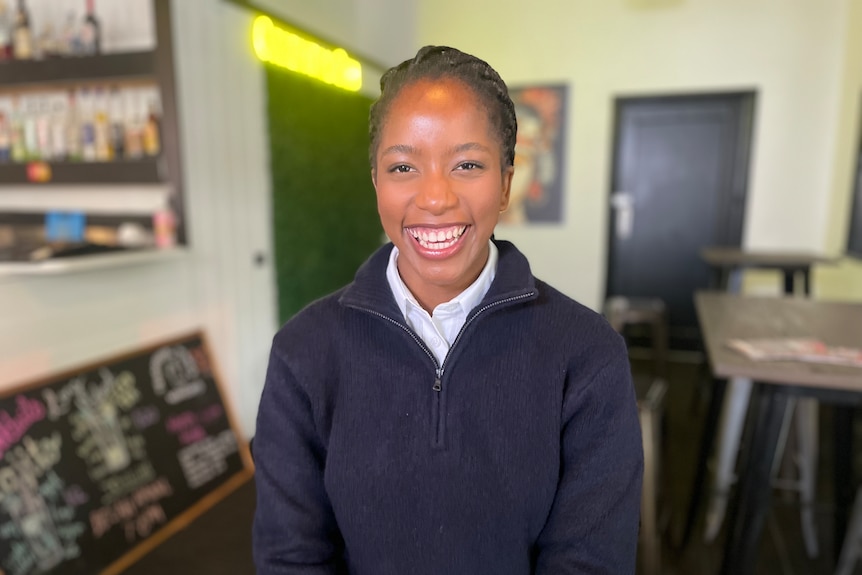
x,y
437,238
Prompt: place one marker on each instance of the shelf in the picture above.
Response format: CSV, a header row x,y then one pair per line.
x,y
87,263
77,69
142,171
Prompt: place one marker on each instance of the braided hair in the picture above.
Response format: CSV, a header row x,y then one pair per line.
x,y
438,62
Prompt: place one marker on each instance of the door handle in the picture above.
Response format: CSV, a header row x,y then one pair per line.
x,y
623,204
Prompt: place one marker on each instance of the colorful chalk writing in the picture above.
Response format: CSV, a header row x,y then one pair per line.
x,y
122,483
136,513
188,426
74,495
205,460
42,530
13,427
145,416
175,374
27,463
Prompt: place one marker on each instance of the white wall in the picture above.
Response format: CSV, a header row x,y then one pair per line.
x,y
792,53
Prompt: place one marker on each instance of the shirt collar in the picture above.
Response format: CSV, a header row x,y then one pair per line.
x,y
467,299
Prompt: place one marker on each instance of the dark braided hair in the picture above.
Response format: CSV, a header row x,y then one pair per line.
x,y
437,62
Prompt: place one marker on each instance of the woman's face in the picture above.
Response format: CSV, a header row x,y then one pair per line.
x,y
440,186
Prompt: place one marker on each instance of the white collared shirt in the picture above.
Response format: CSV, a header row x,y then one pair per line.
x,y
440,329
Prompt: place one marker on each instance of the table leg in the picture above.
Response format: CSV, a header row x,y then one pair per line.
x,y
789,277
842,472
707,438
749,509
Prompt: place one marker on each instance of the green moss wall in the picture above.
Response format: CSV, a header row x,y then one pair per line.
x,y
324,208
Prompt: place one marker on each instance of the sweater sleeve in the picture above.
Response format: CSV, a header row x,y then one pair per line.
x,y
593,524
294,530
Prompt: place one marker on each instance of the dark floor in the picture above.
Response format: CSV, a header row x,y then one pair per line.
x,y
219,542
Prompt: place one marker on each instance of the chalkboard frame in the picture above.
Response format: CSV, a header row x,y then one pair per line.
x,y
189,514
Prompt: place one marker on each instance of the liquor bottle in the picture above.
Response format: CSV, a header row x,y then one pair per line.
x,y
5,139
152,131
58,130
31,143
91,32
22,35
19,152
70,39
43,130
133,127
88,126
102,127
117,137
73,129
5,32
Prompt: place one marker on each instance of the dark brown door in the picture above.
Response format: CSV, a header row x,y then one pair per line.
x,y
680,172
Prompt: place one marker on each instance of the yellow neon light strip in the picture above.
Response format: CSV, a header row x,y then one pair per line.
x,y
287,50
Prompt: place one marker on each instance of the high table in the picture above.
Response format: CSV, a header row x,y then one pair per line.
x,y
724,316
728,409
727,263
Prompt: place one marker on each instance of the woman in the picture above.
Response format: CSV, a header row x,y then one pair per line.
x,y
446,412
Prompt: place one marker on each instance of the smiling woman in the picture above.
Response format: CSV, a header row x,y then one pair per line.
x,y
446,412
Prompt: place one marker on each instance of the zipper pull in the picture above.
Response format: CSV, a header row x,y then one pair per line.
x,y
438,385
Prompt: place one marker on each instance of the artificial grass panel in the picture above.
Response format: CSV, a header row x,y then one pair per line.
x,y
324,207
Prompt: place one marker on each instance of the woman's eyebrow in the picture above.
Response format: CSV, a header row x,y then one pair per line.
x,y
400,149
469,147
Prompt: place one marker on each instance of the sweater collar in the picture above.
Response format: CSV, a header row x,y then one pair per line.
x,y
370,290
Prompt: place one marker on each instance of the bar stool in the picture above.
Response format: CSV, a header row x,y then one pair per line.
x,y
851,548
650,391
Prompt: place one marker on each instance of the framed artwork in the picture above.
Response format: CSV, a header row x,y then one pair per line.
x,y
537,186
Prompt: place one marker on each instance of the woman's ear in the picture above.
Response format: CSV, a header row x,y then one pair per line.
x,y
507,188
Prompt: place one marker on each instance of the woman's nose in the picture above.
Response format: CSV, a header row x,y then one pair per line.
x,y
435,194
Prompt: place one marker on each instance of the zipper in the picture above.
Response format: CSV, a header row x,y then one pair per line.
x,y
437,414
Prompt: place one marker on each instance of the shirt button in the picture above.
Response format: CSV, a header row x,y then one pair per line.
x,y
436,342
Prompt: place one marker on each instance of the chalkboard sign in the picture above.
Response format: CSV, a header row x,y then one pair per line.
x,y
100,464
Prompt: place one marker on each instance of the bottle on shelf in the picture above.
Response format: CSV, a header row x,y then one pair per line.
x,y
117,136
42,110
102,127
19,152
91,31
152,130
5,32
29,117
88,126
133,126
70,39
22,35
58,129
5,138
73,129
48,43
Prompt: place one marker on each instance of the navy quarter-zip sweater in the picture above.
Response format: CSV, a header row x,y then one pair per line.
x,y
520,455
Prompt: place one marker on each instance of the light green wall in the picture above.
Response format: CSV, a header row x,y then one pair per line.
x,y
793,53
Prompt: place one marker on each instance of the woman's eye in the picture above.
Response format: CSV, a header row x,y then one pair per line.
x,y
468,166
399,169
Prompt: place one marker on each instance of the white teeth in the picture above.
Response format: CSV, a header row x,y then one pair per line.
x,y
437,239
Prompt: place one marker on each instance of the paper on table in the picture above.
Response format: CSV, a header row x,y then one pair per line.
x,y
796,349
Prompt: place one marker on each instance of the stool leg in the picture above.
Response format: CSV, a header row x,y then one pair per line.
x,y
852,545
807,432
650,541
734,410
